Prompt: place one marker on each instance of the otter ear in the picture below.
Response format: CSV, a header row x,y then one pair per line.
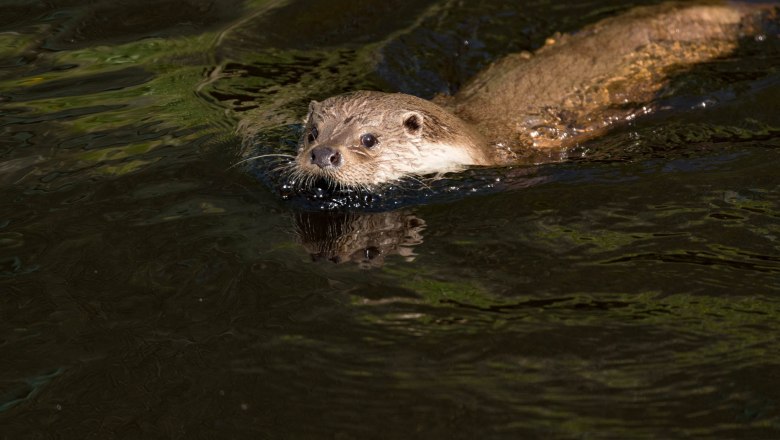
x,y
312,107
413,123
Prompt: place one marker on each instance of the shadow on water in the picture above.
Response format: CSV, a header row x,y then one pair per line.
x,y
149,290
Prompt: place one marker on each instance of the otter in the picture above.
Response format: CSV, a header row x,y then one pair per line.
x,y
524,108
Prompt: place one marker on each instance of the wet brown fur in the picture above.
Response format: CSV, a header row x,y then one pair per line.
x,y
568,91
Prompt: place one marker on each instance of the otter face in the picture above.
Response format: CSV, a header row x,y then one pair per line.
x,y
364,139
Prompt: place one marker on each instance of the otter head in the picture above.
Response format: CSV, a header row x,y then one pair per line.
x,y
364,139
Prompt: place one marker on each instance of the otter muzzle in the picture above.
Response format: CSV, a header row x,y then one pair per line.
x,y
325,157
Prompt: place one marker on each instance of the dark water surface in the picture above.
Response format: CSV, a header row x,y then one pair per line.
x,y
148,290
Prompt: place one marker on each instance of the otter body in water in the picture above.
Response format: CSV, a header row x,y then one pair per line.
x,y
522,107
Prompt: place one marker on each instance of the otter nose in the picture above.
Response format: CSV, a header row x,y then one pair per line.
x,y
325,157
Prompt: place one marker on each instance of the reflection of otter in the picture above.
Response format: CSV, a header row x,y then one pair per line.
x,y
363,238
523,107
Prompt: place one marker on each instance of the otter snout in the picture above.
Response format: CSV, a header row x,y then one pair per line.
x,y
325,157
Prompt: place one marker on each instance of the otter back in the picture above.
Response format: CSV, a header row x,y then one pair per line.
x,y
579,84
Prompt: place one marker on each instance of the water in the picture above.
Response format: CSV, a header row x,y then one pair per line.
x,y
148,290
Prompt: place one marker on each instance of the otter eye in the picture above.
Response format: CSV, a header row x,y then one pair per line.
x,y
368,140
313,133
